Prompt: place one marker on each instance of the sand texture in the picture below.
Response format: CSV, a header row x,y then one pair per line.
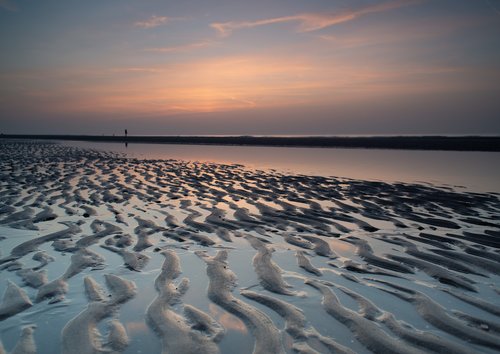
x,y
100,253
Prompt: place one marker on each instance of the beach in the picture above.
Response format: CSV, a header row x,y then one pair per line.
x,y
103,252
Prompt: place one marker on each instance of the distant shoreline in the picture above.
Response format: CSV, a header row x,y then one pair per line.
x,y
449,143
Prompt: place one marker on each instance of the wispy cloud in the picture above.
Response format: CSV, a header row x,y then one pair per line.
x,y
137,70
8,5
182,48
309,22
153,21
401,33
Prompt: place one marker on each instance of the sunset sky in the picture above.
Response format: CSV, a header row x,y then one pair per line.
x,y
250,67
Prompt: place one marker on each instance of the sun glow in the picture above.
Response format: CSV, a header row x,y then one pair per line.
x,y
222,84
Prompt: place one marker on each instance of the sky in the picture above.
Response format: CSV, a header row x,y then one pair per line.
x,y
307,67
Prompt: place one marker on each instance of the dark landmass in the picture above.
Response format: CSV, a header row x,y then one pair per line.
x,y
459,143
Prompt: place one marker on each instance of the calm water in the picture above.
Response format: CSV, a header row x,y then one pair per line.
x,y
478,171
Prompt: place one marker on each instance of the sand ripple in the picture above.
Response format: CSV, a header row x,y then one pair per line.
x,y
272,262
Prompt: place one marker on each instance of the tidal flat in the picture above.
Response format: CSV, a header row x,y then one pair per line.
x,y
101,252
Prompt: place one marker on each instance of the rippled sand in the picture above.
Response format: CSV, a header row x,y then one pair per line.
x,y
101,253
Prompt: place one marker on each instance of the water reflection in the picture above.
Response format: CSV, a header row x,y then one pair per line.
x,y
476,170
229,321
136,328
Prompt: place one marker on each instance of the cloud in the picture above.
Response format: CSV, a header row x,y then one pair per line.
x,y
153,21
182,48
8,5
137,70
401,33
309,22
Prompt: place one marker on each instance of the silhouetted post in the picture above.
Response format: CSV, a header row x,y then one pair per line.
x,y
126,132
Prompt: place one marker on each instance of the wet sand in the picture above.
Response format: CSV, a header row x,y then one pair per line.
x,y
214,258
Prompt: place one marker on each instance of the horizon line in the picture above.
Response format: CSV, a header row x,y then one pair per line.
x,y
417,142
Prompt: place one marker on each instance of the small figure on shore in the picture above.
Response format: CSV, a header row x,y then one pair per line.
x,y
126,132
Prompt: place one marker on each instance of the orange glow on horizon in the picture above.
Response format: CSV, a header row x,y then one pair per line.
x,y
226,84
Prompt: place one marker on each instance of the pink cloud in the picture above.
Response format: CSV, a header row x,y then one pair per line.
x,y
309,22
153,21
